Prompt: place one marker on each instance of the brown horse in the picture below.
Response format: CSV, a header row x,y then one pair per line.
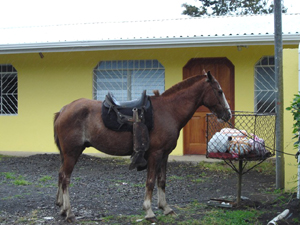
x,y
79,125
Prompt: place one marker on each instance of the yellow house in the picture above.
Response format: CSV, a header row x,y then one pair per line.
x,y
44,68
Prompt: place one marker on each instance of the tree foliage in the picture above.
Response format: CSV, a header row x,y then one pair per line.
x,y
230,7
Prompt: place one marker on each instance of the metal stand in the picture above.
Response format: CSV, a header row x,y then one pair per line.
x,y
239,184
240,171
260,126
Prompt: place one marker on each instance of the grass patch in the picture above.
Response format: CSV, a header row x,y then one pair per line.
x,y
195,213
193,207
31,219
4,156
121,161
215,167
199,180
45,179
138,185
174,177
21,182
77,178
15,180
267,167
43,182
231,217
296,221
15,196
9,175
11,197
190,214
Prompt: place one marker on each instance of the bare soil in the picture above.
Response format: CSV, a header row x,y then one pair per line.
x,y
104,191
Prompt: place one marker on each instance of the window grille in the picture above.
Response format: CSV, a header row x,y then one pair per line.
x,y
127,79
265,86
8,90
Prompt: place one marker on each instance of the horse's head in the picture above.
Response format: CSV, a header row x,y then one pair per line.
x,y
214,99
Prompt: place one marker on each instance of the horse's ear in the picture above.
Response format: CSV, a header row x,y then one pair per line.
x,y
209,76
156,93
204,72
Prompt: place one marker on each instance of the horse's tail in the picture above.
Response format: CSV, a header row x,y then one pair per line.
x,y
56,138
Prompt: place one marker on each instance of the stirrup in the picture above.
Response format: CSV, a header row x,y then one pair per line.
x,y
138,160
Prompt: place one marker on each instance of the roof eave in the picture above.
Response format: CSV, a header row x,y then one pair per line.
x,y
149,43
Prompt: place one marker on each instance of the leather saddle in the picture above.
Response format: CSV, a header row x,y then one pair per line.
x,y
137,103
118,115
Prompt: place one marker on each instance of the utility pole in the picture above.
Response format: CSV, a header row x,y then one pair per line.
x,y
279,95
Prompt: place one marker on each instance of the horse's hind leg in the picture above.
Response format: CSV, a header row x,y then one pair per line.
x,y
161,185
63,198
59,195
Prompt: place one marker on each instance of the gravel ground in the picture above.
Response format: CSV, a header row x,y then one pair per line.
x,y
105,188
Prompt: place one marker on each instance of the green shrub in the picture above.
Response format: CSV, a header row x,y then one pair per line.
x,y
295,110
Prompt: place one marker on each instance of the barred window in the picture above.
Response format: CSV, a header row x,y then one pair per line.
x,y
127,78
8,90
265,87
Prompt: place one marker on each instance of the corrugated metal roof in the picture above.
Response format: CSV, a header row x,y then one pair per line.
x,y
204,31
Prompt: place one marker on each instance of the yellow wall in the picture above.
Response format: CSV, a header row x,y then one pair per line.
x,y
45,85
290,87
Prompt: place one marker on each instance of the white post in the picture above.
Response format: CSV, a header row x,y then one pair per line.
x,y
299,67
298,189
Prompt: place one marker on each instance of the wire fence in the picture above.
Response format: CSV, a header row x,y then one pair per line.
x,y
247,136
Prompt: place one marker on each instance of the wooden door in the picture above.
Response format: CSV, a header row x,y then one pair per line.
x,y
195,131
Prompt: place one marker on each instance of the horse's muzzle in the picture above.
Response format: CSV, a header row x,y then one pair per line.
x,y
226,116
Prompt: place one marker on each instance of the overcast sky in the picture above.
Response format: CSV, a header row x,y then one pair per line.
x,y
16,13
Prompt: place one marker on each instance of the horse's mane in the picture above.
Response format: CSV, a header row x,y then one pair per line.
x,y
183,85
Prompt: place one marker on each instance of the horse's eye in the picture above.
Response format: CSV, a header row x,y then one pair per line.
x,y
220,92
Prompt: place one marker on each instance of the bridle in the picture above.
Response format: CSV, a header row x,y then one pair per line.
x,y
218,97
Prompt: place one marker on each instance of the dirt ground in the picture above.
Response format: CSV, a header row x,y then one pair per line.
x,y
104,188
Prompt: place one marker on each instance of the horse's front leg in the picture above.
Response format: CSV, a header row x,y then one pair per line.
x,y
150,183
161,186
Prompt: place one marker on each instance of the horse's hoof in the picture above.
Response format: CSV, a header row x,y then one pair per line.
x,y
152,219
172,213
63,213
141,168
71,219
58,204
